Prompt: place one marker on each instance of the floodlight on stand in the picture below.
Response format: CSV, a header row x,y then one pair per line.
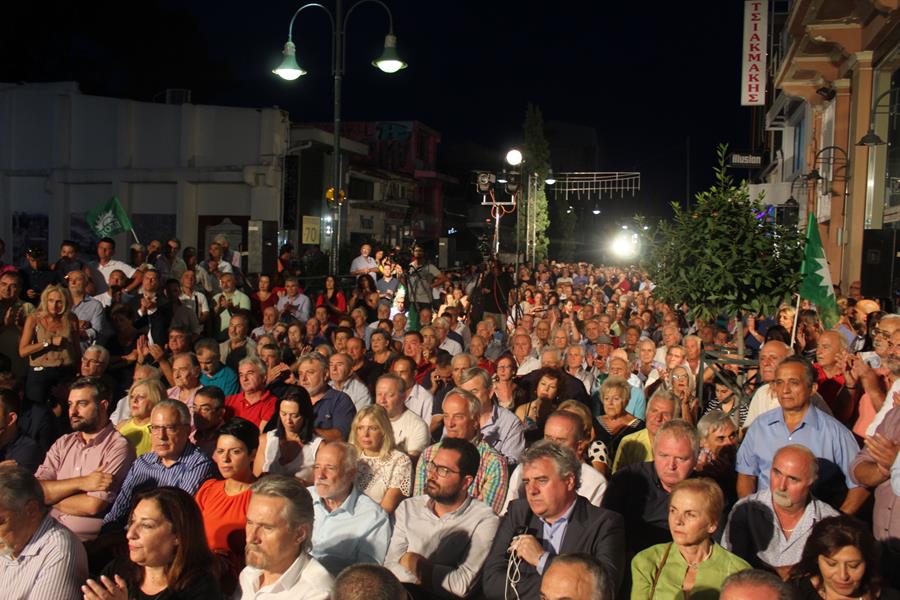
x,y
289,69
550,179
870,139
596,209
503,178
389,62
514,157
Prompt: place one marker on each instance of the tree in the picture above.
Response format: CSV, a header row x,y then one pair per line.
x,y
721,258
537,156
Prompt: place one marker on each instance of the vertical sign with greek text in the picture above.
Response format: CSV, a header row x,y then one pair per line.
x,y
753,53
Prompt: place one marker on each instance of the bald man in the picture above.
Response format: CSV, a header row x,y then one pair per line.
x,y
788,507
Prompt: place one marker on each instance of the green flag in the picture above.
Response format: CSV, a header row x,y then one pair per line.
x,y
816,285
109,218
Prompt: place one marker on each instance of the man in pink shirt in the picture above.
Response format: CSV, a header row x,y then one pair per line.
x,y
84,470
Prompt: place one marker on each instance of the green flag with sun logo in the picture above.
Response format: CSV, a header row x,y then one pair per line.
x,y
109,218
816,285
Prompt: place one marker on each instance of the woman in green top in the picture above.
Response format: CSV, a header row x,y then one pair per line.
x,y
692,565
142,397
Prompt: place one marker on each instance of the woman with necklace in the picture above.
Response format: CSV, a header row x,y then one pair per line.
x,y
840,562
504,386
384,473
50,343
692,565
223,502
615,422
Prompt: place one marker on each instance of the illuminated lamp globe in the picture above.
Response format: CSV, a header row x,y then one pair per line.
x,y
289,69
514,157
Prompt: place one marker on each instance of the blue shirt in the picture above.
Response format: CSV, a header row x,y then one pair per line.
x,y
335,410
358,531
225,379
91,311
828,439
505,434
190,470
552,537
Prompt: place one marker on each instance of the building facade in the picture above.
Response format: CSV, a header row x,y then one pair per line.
x,y
179,169
834,70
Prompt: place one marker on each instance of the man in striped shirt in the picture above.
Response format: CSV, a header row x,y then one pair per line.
x,y
39,558
174,461
461,420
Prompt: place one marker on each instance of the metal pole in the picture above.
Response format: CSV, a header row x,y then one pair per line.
x,y
338,39
496,232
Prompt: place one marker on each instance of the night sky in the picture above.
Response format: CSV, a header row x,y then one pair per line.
x,y
644,75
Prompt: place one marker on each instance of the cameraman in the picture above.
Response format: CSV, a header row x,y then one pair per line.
x,y
422,278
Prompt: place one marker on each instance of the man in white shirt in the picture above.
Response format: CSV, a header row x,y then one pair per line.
x,y
105,265
279,537
364,264
566,429
441,538
765,399
521,350
343,379
442,327
410,431
418,399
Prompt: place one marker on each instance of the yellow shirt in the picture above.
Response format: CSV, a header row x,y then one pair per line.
x,y
633,449
137,435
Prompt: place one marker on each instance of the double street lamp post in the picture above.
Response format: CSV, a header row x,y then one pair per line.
x,y
289,69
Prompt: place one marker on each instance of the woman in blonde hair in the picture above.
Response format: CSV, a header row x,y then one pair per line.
x,y
692,565
142,397
384,472
50,342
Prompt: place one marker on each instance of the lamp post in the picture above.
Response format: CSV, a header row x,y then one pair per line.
x,y
871,138
289,69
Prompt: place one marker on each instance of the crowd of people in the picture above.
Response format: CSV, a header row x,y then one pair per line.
x,y
173,428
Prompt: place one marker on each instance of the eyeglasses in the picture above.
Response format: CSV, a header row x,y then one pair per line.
x,y
881,333
679,377
169,429
439,469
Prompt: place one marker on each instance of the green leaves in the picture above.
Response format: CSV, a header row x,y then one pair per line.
x,y
719,258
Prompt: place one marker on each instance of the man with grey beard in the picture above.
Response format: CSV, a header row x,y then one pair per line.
x,y
768,529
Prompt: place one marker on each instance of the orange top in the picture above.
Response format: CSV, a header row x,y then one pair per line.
x,y
224,518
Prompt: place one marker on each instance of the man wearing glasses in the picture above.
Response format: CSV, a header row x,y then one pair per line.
x,y
174,461
442,537
83,470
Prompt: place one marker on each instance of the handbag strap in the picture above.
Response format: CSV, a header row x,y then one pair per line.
x,y
659,568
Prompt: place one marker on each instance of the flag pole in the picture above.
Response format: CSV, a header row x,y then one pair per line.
x,y
135,236
796,319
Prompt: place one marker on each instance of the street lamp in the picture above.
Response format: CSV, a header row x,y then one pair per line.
x,y
871,138
289,69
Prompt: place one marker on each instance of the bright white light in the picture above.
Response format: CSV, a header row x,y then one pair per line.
x,y
596,211
624,226
327,218
289,74
514,157
390,66
623,246
646,228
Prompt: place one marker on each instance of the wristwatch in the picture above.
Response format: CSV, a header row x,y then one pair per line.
x,y
46,344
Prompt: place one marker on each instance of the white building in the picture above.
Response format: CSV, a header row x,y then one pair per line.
x,y
179,169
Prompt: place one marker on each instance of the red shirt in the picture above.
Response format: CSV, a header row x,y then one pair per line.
x,y
237,406
423,371
836,395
